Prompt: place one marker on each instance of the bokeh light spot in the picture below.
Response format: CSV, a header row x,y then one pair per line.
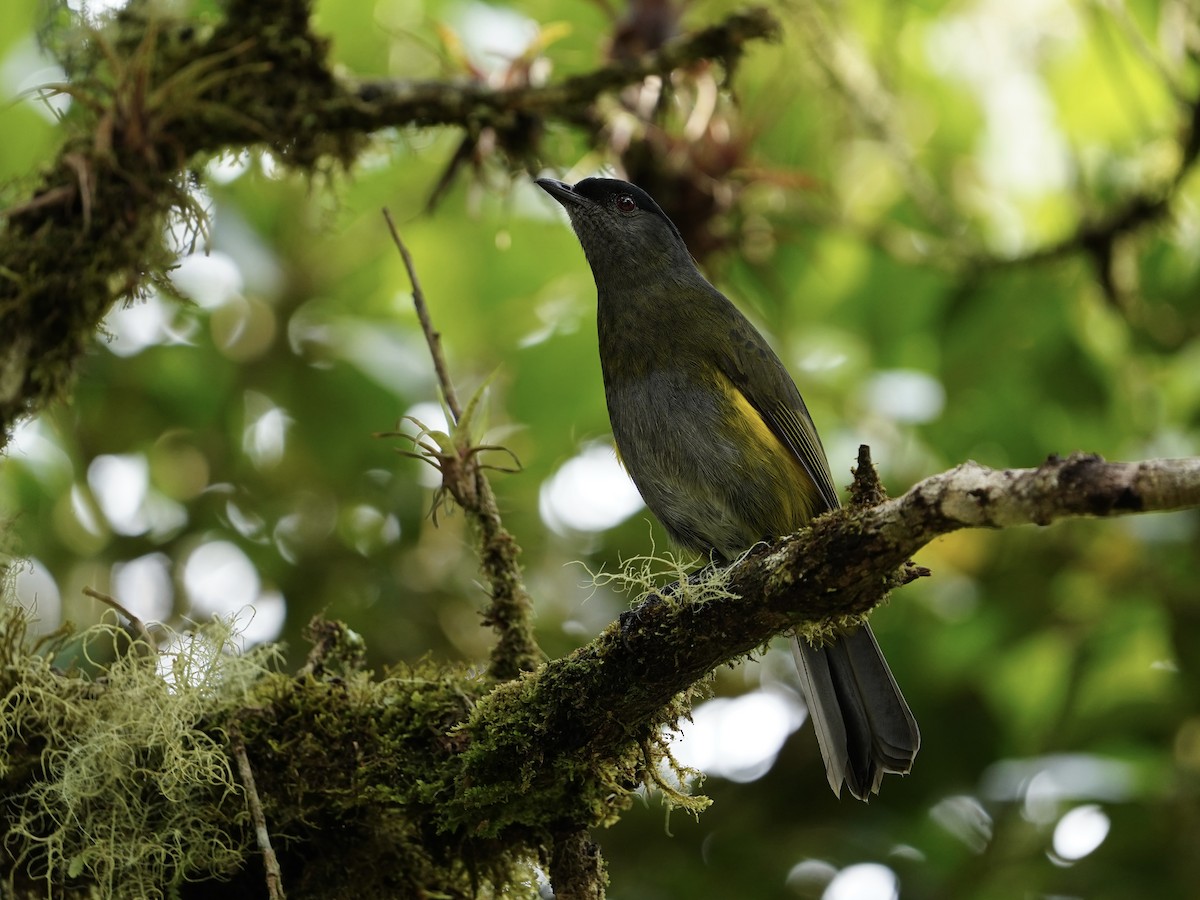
x,y
208,279
265,436
1080,832
738,738
219,579
590,492
906,395
144,587
810,877
965,818
863,881
120,484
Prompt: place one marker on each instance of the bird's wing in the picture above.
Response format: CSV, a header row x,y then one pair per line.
x,y
761,378
793,424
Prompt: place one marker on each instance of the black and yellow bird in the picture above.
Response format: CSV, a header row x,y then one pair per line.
x,y
715,435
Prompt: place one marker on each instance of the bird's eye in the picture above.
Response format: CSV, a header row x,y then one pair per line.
x,y
625,203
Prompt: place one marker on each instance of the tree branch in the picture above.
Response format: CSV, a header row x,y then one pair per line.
x,y
577,869
386,102
262,834
974,496
592,703
474,778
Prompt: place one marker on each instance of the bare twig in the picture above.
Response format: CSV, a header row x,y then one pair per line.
x,y
1128,27
1151,203
852,74
63,194
432,336
261,835
113,603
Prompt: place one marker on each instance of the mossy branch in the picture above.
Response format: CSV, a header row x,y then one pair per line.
x,y
843,565
388,102
577,867
434,778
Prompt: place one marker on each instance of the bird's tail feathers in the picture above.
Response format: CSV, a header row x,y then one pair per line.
x,y
863,725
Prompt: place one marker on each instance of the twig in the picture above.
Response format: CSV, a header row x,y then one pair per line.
x,y
62,194
851,73
1119,13
261,834
138,624
432,336
511,611
1149,204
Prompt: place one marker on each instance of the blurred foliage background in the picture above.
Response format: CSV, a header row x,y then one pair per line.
x,y
897,194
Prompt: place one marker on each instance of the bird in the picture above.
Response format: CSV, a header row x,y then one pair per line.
x,y
714,433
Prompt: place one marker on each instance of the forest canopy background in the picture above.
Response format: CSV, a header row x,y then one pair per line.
x,y
922,205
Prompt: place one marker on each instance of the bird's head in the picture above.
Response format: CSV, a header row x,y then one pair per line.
x,y
625,234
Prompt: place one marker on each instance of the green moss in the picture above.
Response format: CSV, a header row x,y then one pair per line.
x,y
122,782
523,768
115,781
117,776
430,780
366,763
153,96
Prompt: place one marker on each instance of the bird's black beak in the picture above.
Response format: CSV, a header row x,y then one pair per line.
x,y
560,191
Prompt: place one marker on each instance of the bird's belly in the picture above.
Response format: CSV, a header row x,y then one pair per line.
x,y
707,466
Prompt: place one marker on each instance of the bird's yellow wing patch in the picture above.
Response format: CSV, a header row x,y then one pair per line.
x,y
800,435
750,423
798,495
765,388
